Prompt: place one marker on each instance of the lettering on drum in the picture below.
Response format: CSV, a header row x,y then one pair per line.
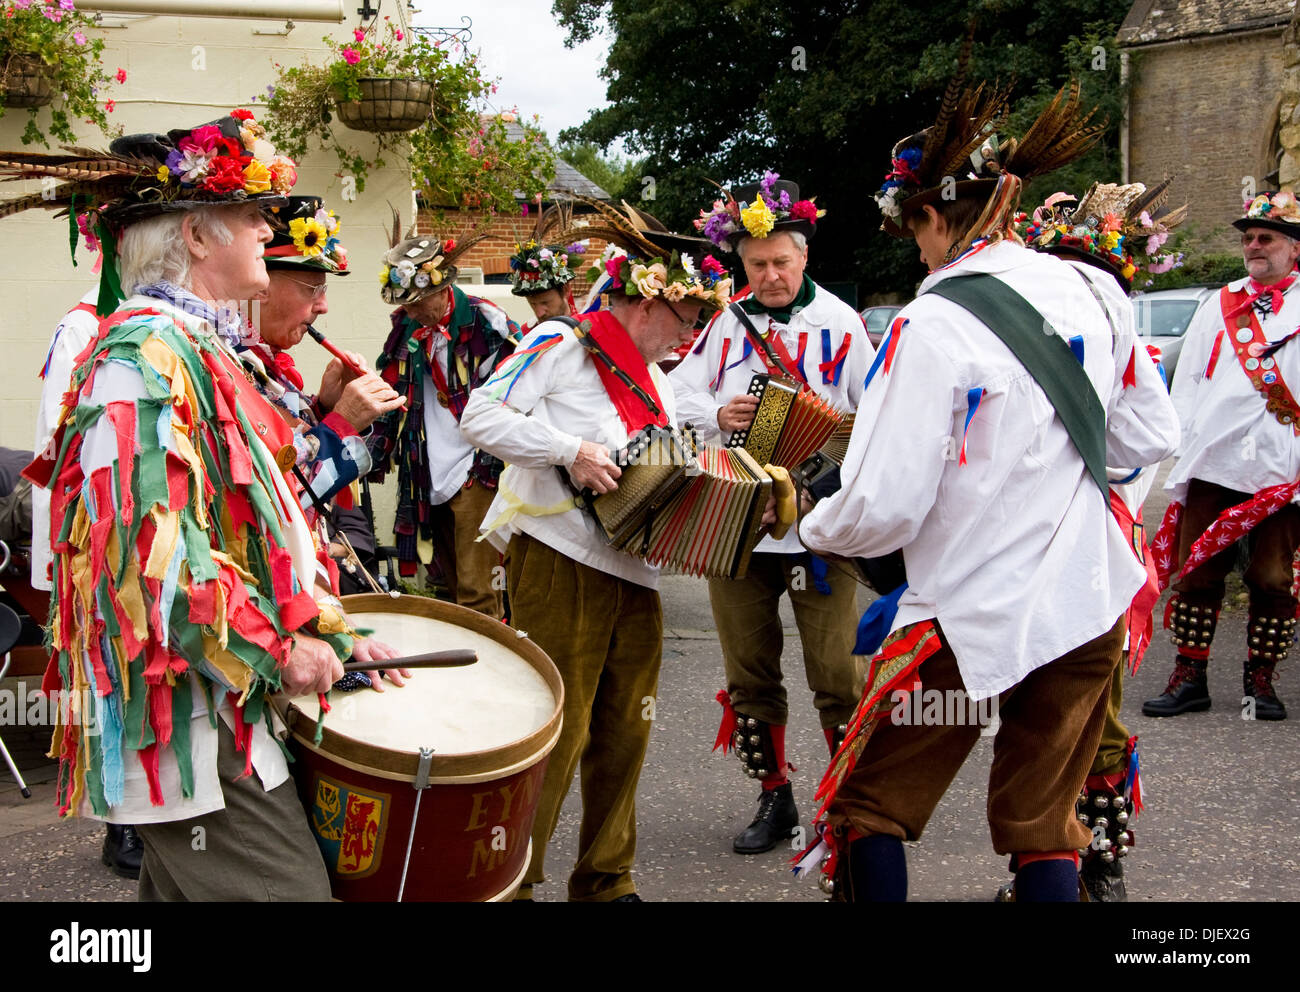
x,y
494,702
501,815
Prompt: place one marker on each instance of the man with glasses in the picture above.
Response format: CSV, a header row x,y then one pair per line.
x,y
328,448
785,325
555,411
1238,467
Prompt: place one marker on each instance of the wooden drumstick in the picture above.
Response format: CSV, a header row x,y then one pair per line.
x,y
431,659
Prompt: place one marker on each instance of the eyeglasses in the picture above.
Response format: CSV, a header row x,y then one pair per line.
x,y
697,324
317,289
1264,238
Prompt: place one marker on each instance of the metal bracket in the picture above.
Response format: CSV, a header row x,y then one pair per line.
x,y
422,771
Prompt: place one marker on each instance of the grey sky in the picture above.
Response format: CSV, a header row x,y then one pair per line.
x,y
521,43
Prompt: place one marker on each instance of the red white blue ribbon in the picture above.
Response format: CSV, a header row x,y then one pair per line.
x,y
973,398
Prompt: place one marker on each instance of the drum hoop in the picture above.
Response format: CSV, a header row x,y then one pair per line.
x,y
467,766
523,764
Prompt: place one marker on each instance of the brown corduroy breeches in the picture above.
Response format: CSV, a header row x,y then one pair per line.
x,y
1050,725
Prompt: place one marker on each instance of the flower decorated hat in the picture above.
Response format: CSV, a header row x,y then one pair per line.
x,y
535,268
758,210
306,236
962,154
224,162
1122,229
637,266
1277,211
419,265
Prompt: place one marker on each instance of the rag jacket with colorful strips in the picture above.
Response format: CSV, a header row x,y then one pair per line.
x,y
172,558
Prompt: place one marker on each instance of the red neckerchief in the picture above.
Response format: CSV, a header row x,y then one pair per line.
x,y
1254,291
1252,350
279,363
614,340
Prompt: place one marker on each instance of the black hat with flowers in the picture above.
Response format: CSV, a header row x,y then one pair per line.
x,y
304,235
224,162
1278,211
759,210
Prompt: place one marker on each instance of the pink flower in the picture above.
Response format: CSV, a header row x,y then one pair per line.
x,y
711,266
359,35
77,36
67,4
120,75
523,209
398,35
110,106
351,56
613,265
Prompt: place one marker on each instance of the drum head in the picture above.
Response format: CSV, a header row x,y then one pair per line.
x,y
510,695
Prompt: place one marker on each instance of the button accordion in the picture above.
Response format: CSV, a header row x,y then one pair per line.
x,y
687,508
791,422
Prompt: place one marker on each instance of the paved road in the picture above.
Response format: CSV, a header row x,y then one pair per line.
x,y
1223,795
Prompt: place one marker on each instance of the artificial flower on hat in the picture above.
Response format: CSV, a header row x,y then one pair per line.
x,y
758,210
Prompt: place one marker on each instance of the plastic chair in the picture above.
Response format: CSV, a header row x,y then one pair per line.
x,y
10,627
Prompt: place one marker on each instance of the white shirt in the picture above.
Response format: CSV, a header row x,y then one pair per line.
x,y
74,332
450,455
1229,438
554,405
120,381
699,401
1016,552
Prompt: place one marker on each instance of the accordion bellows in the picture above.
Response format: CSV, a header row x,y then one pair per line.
x,y
687,510
791,422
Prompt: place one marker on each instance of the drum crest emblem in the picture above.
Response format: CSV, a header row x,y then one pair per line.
x,y
349,827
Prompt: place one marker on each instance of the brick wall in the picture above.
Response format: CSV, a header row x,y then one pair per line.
x,y
1203,111
492,254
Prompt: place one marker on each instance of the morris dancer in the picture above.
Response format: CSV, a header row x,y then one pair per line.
x,y
1238,469
784,325
1109,236
183,569
444,344
552,409
995,490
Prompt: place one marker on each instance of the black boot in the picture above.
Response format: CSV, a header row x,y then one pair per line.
x,y
122,851
1106,813
776,820
1268,640
1187,690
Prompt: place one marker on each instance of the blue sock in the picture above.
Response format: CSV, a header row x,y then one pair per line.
x,y
879,869
1056,880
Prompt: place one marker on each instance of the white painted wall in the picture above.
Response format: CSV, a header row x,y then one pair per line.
x,y
183,71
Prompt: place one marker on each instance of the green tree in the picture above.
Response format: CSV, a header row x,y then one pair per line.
x,y
615,174
820,92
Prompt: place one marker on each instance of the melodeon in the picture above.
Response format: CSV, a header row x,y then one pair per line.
x,y
690,509
791,422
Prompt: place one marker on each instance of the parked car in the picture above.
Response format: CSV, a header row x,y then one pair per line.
x,y
1164,315
877,320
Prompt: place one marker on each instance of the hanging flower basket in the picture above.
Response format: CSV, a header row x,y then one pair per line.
x,y
388,104
25,82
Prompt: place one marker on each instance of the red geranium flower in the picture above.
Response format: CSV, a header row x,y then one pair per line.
x,y
804,210
120,75
242,115
225,175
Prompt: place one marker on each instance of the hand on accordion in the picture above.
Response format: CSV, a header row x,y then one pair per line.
x,y
738,412
593,469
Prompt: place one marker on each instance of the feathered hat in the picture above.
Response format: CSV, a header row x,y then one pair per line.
x,y
306,236
537,266
637,265
961,153
1121,229
419,266
224,162
758,210
1277,211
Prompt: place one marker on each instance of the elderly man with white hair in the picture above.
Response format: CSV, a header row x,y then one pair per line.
x,y
785,325
185,581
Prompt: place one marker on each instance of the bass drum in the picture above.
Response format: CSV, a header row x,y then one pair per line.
x,y
427,792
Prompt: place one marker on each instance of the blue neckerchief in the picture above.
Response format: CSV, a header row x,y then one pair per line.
x,y
227,321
